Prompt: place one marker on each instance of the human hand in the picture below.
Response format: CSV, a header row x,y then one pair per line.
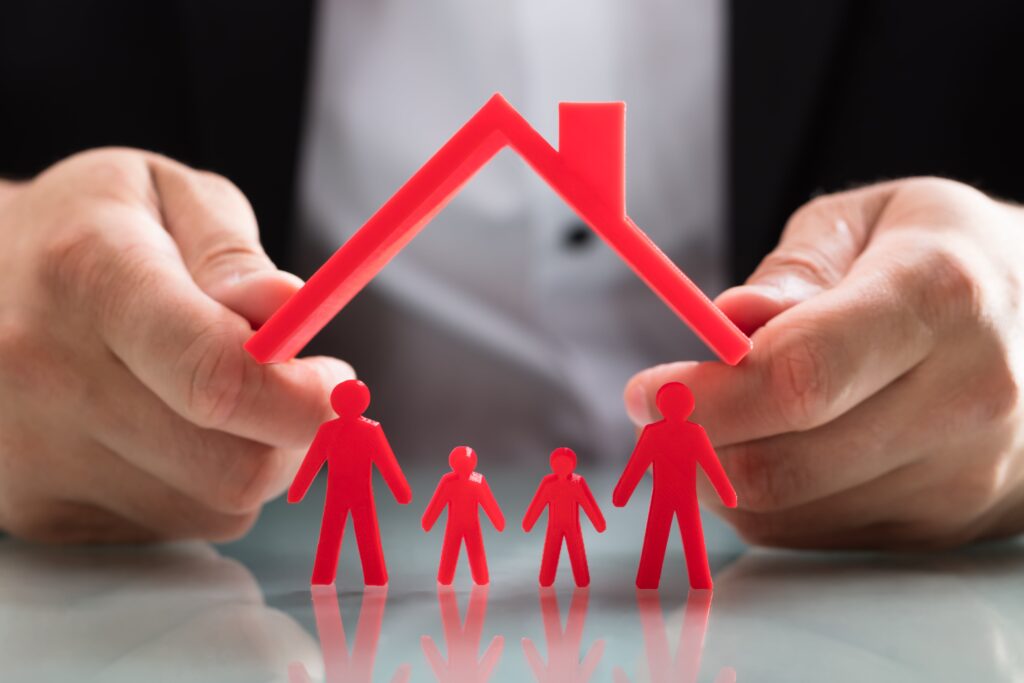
x,y
881,404
128,408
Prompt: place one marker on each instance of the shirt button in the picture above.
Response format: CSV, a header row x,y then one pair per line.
x,y
577,236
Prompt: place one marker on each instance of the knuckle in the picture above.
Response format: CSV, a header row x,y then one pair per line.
x,y
215,374
803,261
949,289
69,262
799,379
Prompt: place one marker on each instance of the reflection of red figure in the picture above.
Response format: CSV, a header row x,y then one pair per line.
x,y
351,445
463,491
339,665
463,640
564,493
564,664
672,447
661,667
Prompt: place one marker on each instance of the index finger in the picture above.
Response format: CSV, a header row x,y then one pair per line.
x,y
183,345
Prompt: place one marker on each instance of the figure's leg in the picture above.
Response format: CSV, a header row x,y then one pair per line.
x,y
692,531
549,561
449,556
371,553
577,557
477,556
327,548
652,556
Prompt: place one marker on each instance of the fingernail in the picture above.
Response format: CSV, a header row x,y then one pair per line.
x,y
636,405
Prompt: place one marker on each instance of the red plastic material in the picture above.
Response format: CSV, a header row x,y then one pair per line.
x,y
350,445
563,665
564,493
587,172
463,491
463,640
340,665
673,447
684,667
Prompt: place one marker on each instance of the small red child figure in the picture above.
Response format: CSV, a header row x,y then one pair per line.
x,y
563,493
672,447
463,491
351,445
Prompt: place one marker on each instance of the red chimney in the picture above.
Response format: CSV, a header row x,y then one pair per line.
x,y
592,142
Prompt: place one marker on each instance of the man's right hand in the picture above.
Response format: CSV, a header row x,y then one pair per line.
x,y
129,409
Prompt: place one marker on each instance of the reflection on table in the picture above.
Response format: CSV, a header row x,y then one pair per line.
x,y
157,613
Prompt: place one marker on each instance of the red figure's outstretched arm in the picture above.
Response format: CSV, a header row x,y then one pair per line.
x,y
589,505
708,460
311,464
436,504
490,506
537,505
387,463
638,463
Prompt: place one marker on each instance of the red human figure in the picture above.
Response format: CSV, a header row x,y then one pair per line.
x,y
685,666
463,491
350,445
672,447
463,640
341,666
564,665
563,493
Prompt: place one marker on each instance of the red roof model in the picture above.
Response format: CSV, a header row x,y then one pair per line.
x,y
588,173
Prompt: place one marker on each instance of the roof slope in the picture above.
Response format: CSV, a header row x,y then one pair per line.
x,y
587,173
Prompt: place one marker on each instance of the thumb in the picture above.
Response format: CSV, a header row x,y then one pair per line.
x,y
817,248
215,231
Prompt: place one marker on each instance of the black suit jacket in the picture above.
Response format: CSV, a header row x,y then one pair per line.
x,y
823,94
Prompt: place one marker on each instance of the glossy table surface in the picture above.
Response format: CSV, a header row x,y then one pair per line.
x,y
245,612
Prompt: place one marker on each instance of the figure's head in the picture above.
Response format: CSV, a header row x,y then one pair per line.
x,y
350,399
462,460
675,401
563,461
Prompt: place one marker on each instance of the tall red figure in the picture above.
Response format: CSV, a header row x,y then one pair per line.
x,y
563,493
672,447
463,491
350,445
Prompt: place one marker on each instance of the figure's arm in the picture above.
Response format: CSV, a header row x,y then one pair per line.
x,y
540,499
639,461
490,506
387,463
311,464
491,656
713,468
435,506
590,508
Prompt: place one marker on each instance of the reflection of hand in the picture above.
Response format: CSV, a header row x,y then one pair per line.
x,y
146,615
128,407
881,403
839,617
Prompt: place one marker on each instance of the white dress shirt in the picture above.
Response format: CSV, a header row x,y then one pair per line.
x,y
506,320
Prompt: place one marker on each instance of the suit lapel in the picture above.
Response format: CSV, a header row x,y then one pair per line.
x,y
781,58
